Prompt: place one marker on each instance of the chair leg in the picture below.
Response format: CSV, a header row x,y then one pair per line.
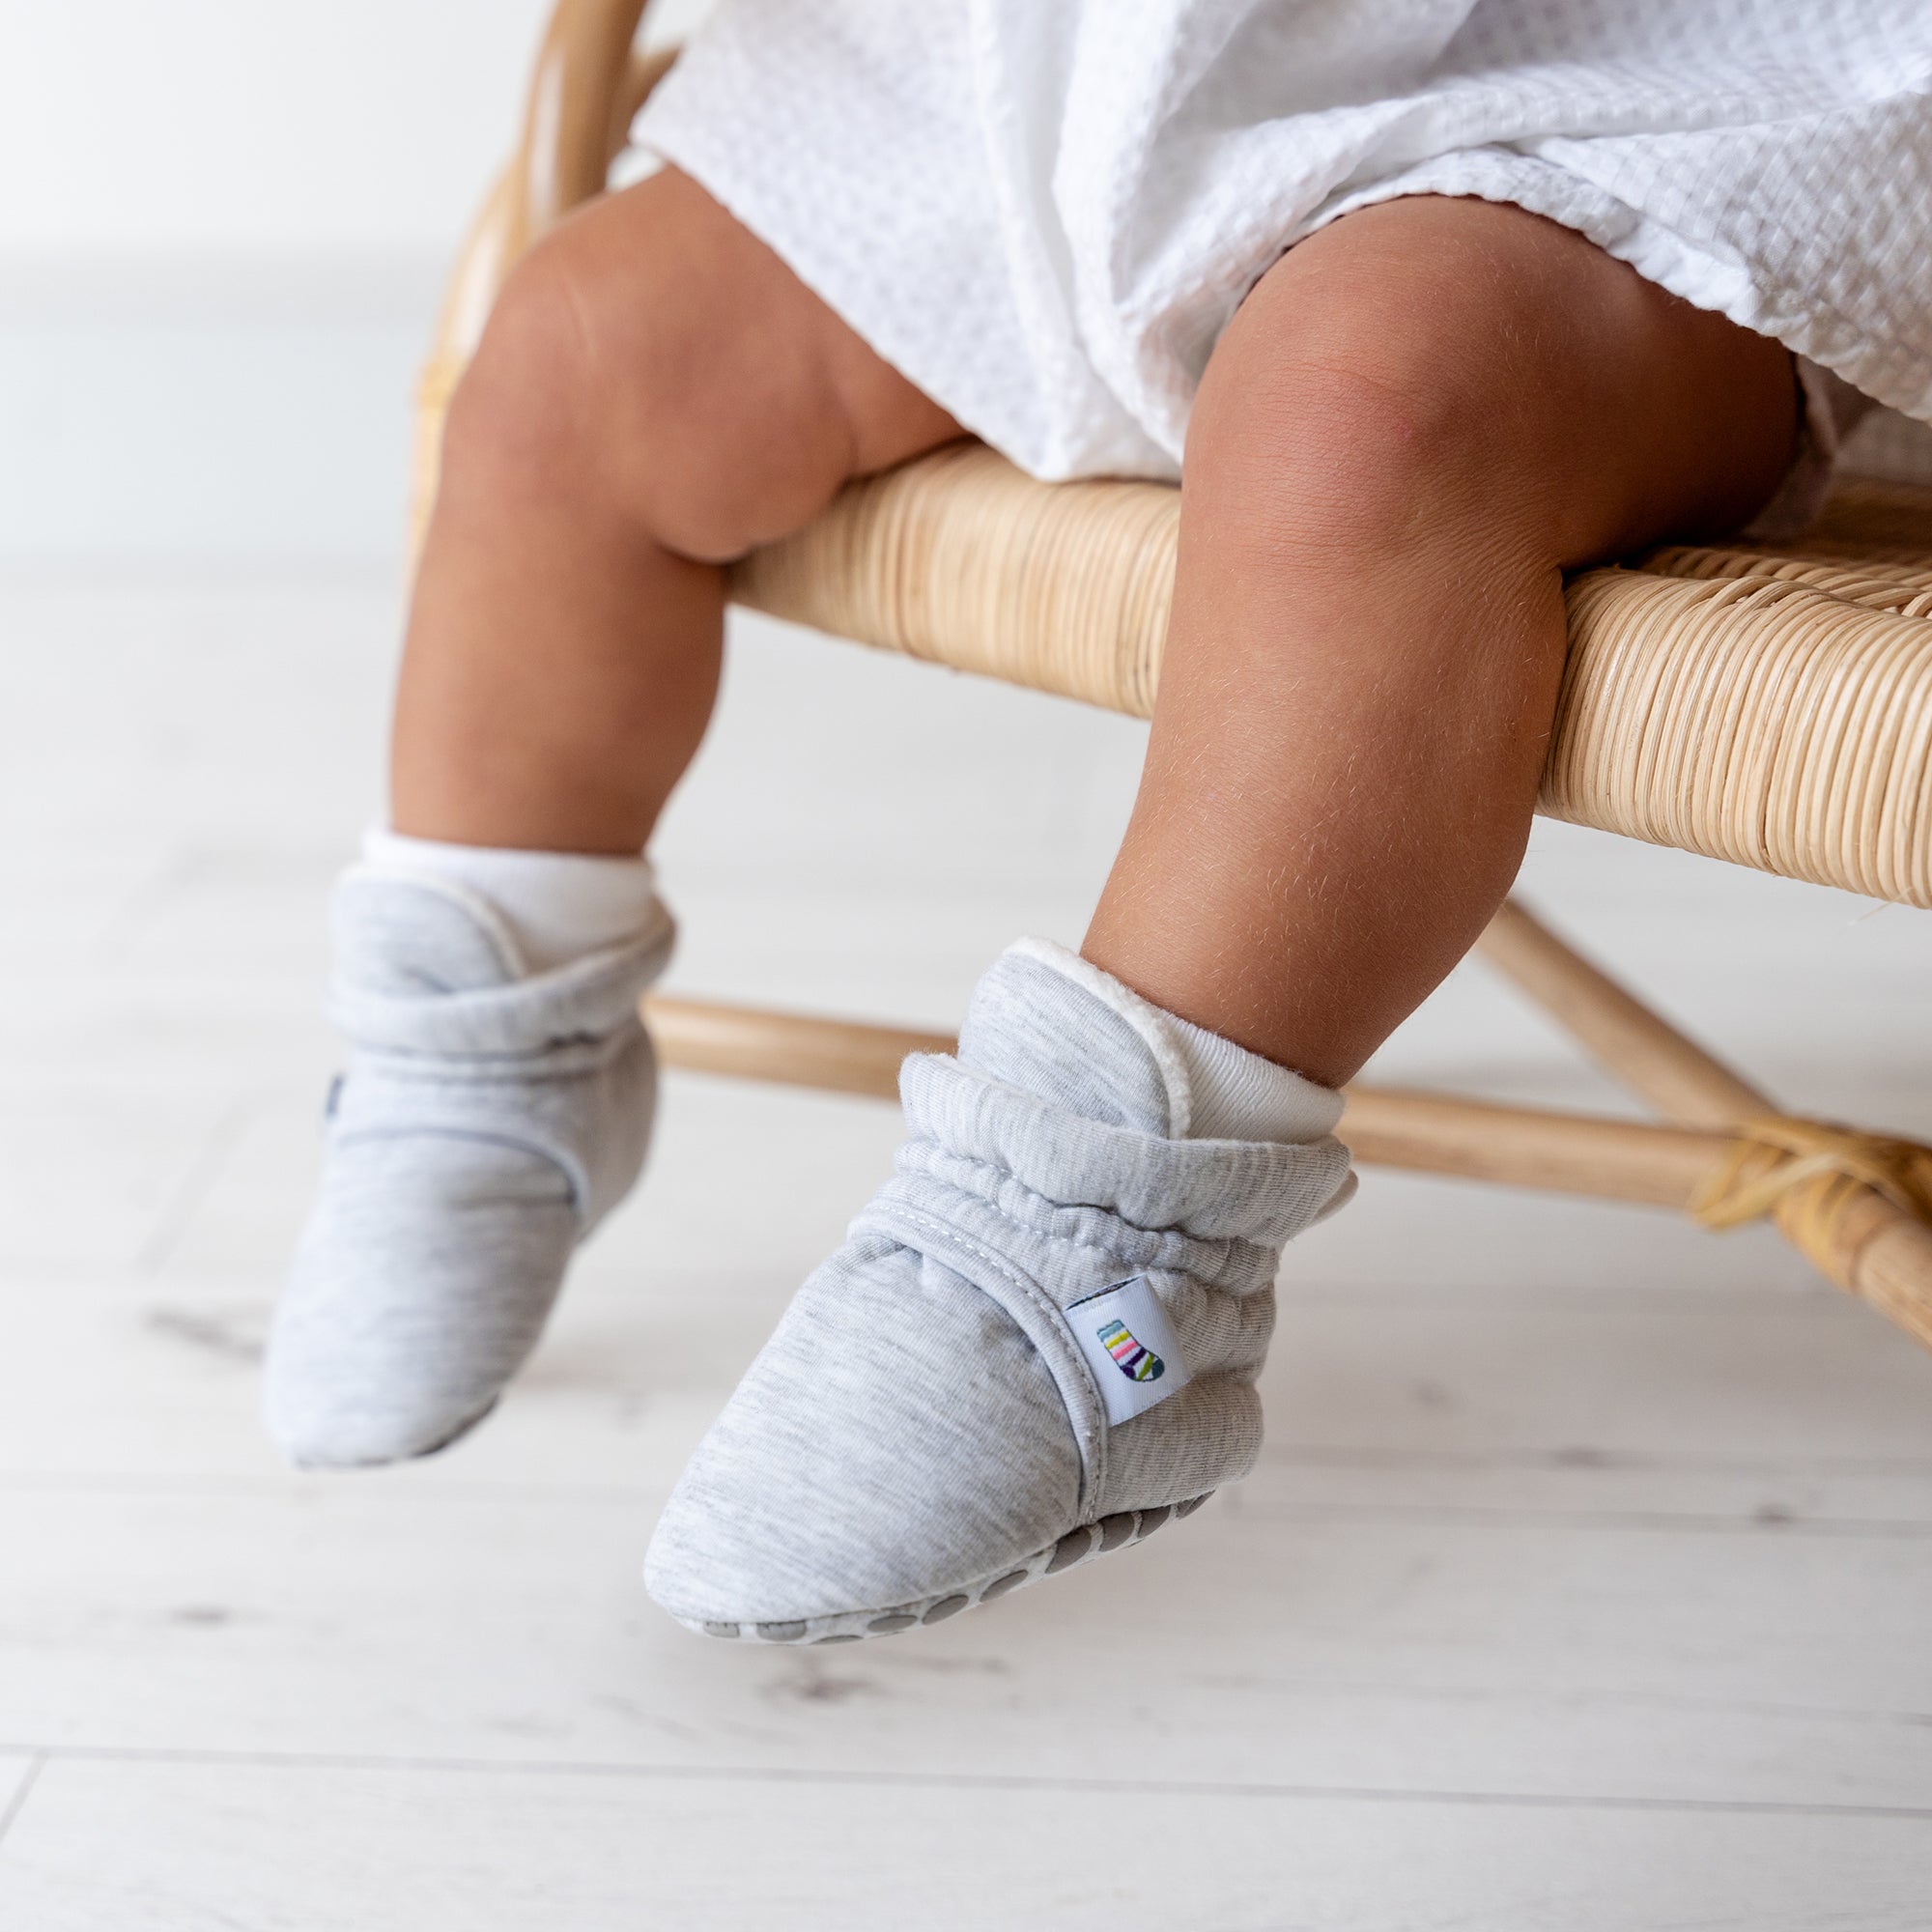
x,y
1634,1046
1426,1133
1840,1206
1858,1209
792,1049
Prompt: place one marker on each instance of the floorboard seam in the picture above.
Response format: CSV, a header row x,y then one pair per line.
x,y
211,1160
36,1763
975,1781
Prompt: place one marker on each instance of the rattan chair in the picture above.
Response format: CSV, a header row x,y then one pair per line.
x,y
1767,704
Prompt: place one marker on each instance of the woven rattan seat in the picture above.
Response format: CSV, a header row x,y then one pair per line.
x,y
1769,704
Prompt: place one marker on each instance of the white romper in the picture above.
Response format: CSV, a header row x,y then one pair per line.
x,y
1044,212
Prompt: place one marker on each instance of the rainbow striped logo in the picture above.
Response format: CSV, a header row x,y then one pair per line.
x,y
1137,1363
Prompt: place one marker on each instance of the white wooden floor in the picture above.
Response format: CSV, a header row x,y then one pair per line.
x,y
1586,1584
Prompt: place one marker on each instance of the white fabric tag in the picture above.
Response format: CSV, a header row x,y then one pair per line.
x,y
1130,1345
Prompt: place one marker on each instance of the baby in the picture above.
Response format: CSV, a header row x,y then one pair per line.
x,y
1424,305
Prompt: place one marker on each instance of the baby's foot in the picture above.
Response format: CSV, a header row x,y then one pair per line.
x,y
487,1120
1037,1344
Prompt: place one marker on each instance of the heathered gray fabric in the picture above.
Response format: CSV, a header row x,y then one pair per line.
x,y
485,1123
924,1419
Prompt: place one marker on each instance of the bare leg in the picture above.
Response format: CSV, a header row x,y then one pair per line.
x,y
1417,420
656,394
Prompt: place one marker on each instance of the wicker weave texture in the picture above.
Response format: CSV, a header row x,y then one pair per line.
x,y
962,560
1753,719
1768,705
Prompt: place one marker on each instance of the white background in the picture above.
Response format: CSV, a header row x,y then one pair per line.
x,y
221,127
222,231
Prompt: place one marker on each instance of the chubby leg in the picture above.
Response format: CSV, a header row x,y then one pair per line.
x,y
1417,420
655,393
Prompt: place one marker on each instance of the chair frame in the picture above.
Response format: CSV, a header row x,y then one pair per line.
x,y
1859,1206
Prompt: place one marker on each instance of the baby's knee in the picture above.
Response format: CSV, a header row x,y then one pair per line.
x,y
1467,374
1326,442
624,372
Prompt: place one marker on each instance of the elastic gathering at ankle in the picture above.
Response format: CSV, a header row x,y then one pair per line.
x,y
1073,1249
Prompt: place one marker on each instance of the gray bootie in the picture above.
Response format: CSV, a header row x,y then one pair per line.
x,y
487,1120
1037,1344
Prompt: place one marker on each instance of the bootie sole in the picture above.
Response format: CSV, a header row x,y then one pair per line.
x,y
1121,1531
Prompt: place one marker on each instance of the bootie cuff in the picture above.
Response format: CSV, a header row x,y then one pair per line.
x,y
579,1005
1260,1192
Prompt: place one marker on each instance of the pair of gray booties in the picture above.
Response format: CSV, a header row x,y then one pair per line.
x,y
1037,1344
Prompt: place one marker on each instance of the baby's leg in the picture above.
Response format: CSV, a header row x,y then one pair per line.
x,y
1415,422
1041,1339
655,393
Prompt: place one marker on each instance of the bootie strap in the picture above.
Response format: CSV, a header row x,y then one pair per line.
x,y
1260,1192
584,1002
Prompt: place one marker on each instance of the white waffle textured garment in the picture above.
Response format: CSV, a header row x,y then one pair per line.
x,y
1044,212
